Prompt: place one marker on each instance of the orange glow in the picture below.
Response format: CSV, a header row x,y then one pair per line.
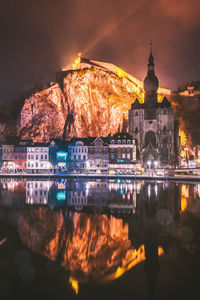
x,y
160,251
183,136
183,204
184,197
136,257
76,64
74,284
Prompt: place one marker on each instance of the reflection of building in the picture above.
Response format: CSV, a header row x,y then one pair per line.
x,y
37,191
12,192
152,125
105,196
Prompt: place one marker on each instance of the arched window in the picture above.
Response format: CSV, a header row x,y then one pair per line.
x,y
150,138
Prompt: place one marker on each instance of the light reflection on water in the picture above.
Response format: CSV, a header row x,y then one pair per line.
x,y
97,229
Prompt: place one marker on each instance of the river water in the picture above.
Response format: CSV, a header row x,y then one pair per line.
x,y
94,239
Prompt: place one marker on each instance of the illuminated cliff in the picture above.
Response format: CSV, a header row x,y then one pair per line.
x,y
92,101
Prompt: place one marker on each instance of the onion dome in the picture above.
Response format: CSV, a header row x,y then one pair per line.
x,y
151,81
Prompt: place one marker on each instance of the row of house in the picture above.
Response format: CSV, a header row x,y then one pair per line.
x,y
79,155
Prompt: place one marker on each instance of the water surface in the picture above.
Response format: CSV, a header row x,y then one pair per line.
x,y
118,239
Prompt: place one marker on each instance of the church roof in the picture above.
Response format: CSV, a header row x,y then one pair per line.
x,y
165,103
137,104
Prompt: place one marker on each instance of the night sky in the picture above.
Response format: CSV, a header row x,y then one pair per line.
x,y
42,36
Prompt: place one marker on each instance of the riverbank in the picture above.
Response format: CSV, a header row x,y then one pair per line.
x,y
99,176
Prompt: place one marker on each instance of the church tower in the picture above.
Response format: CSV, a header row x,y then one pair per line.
x,y
152,125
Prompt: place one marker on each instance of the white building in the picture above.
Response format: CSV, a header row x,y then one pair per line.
x,y
38,157
78,154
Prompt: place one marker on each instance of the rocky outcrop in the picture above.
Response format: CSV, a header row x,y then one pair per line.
x,y
91,102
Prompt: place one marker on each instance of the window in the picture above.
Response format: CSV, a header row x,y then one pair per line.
x,y
36,164
136,130
46,156
136,113
41,156
119,142
84,157
128,142
123,142
36,157
74,157
112,141
32,156
79,157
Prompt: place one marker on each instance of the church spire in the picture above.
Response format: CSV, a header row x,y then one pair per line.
x,y
151,60
151,82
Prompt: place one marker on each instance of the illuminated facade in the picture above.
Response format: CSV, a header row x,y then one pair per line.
x,y
8,156
153,127
38,156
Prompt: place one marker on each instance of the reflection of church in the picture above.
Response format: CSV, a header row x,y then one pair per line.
x,y
153,126
153,224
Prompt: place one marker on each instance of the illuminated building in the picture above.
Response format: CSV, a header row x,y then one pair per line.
x,y
58,154
8,156
98,156
122,153
38,156
78,154
153,127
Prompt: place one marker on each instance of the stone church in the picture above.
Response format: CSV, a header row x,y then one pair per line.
x,y
153,127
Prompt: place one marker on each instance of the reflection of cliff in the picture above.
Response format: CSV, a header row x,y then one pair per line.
x,y
98,247
94,246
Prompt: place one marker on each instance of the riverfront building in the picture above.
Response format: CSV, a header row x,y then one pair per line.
x,y
153,127
38,156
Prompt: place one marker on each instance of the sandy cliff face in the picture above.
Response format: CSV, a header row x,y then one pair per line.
x,y
92,102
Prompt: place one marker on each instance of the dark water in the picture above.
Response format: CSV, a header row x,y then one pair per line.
x,y
94,239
